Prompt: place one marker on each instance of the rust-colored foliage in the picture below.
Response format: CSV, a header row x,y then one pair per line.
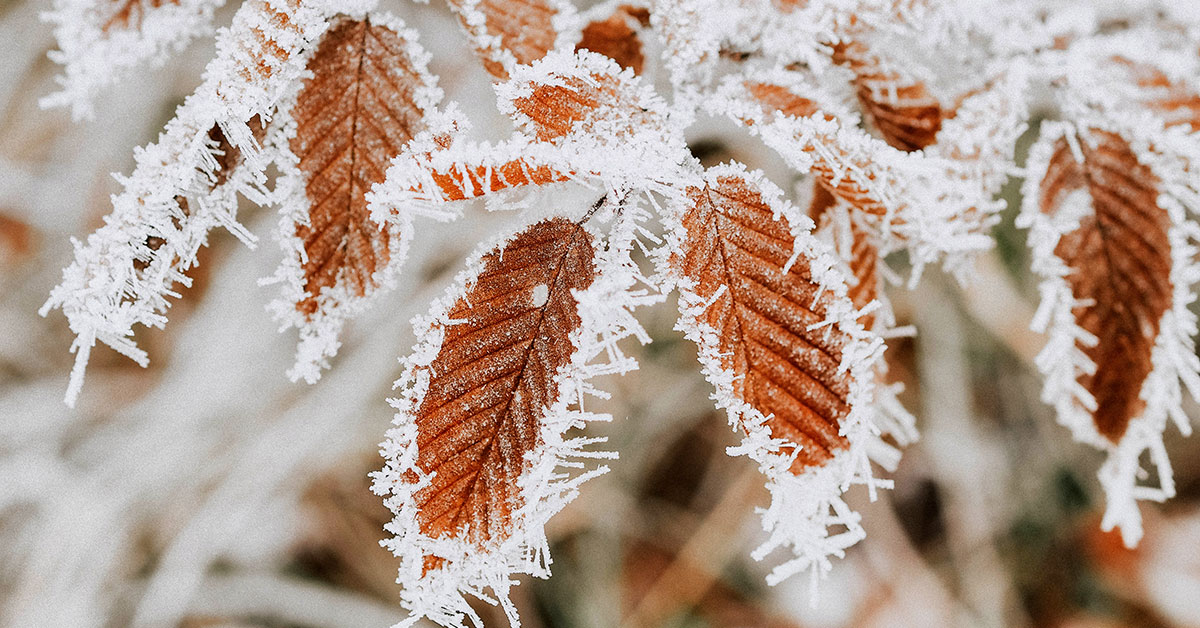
x,y
556,109
260,61
616,38
779,99
782,368
524,27
903,110
776,99
864,254
353,116
461,183
494,375
1176,103
1120,258
128,14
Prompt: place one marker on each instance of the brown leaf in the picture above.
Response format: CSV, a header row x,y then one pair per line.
x,y
261,60
903,111
777,100
493,377
524,27
353,116
1176,103
784,369
1120,258
557,108
616,39
863,260
128,14
461,183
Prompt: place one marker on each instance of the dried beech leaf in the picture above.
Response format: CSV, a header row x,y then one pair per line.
x,y
778,99
1176,103
493,377
1120,261
1112,240
480,459
590,96
129,13
422,183
903,111
848,179
616,39
368,96
508,32
353,116
735,253
862,258
779,341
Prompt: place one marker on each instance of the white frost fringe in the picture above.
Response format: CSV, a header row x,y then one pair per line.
x,y
807,513
94,58
1173,356
336,304
101,294
556,468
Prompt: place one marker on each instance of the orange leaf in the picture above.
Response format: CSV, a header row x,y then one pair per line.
x,y
1176,103
493,377
1120,257
903,111
353,116
735,253
129,13
616,39
864,254
510,31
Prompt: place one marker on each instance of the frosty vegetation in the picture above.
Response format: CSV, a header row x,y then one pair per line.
x,y
898,119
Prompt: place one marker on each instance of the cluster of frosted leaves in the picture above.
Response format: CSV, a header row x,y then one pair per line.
x,y
1111,201
479,458
186,183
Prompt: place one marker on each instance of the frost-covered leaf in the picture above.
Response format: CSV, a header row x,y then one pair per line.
x,y
125,272
580,94
367,97
101,41
778,339
507,33
902,109
478,461
1175,102
423,182
616,37
1117,261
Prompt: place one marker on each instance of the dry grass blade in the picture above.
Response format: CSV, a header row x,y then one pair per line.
x,y
493,377
1120,257
736,254
353,116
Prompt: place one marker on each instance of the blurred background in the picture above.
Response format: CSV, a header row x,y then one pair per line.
x,y
207,490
